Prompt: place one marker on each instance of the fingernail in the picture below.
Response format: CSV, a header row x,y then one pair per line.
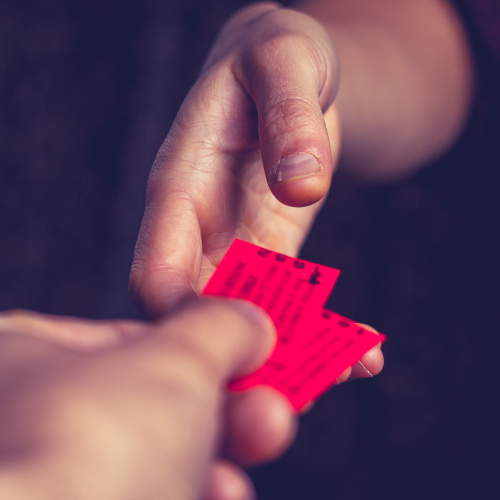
x,y
295,166
254,313
365,369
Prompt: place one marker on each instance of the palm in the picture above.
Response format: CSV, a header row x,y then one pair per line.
x,y
256,216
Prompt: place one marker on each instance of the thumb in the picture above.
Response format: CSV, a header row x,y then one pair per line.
x,y
292,78
229,338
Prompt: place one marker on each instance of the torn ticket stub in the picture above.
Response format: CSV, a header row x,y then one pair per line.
x,y
314,345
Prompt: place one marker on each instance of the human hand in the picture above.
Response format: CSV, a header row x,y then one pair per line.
x,y
123,409
224,169
118,409
264,94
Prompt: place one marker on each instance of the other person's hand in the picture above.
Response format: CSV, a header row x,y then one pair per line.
x,y
120,409
248,146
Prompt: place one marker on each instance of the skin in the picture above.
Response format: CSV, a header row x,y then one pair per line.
x,y
376,89
128,409
134,412
266,92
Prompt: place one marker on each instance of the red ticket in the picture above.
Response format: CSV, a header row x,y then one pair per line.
x,y
332,346
314,345
290,290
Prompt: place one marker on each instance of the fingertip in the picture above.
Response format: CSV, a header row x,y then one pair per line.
x,y
301,191
230,338
261,425
297,166
370,364
345,375
308,407
373,360
303,174
257,315
262,339
227,481
296,151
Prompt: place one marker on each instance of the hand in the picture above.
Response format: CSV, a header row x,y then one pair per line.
x,y
121,409
264,94
227,167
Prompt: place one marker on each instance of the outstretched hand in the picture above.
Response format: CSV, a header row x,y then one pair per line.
x,y
250,155
126,409
256,137
123,409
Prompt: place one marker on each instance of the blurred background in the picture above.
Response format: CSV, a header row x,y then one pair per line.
x,y
89,89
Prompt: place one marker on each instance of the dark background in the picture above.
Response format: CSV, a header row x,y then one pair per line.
x,y
88,90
